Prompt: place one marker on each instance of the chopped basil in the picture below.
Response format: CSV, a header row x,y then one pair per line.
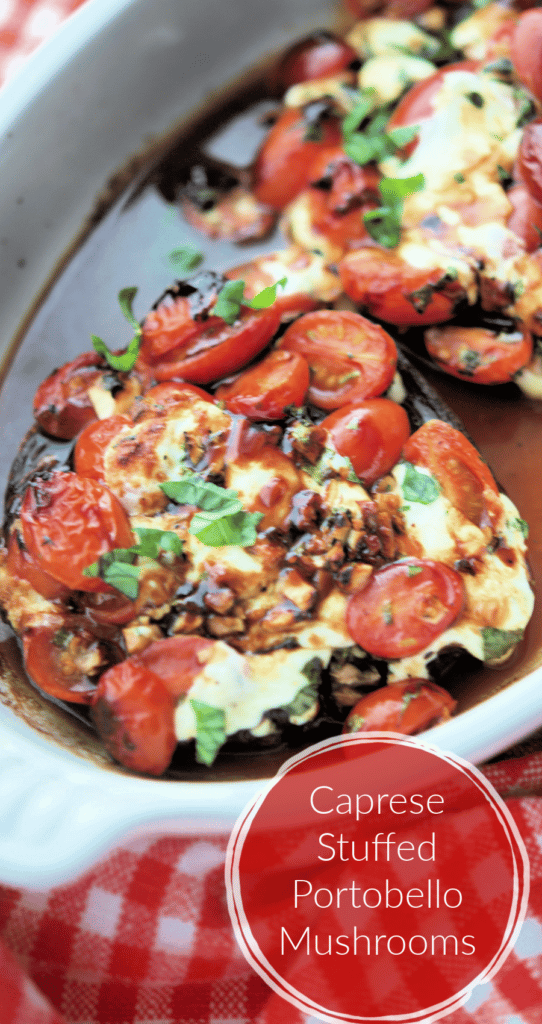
x,y
221,520
231,297
186,258
414,570
210,731
118,568
521,525
384,223
498,642
418,486
122,361
152,542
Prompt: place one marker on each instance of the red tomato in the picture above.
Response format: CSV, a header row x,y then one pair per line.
x,y
68,521
284,163
526,51
407,708
465,478
526,217
529,160
317,56
213,349
62,406
371,434
478,354
91,445
134,703
168,395
49,653
265,391
417,104
257,276
21,564
350,358
404,607
393,291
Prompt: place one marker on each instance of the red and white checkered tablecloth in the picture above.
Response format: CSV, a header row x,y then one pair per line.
x,y
144,937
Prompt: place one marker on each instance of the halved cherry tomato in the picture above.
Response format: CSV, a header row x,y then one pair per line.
x,y
50,657
283,166
391,290
208,352
68,522
478,354
407,707
317,56
526,217
371,434
21,564
350,358
404,607
91,445
529,159
134,703
418,103
465,478
265,391
168,395
62,406
264,272
526,51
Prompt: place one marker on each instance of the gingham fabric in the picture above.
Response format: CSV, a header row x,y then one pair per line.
x,y
144,937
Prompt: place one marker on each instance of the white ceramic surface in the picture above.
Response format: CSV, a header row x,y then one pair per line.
x,y
118,73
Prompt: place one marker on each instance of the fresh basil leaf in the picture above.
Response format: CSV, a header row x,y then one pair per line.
x,y
229,301
118,570
152,542
192,490
418,486
238,529
186,258
363,149
210,731
395,190
384,225
498,642
267,296
122,361
402,136
362,109
521,525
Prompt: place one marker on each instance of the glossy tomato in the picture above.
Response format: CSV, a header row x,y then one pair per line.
x,y
134,703
317,56
407,707
62,405
526,51
51,656
168,395
20,563
418,102
478,354
91,445
392,290
404,607
283,166
68,522
208,349
465,478
350,358
371,434
265,391
529,160
526,217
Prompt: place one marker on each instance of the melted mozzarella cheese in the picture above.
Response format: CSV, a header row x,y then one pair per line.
x,y
245,686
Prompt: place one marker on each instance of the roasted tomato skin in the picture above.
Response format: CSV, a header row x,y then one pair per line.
x,y
350,358
404,607
21,564
91,445
465,478
526,51
265,391
317,56
407,707
417,104
212,350
50,665
371,434
68,522
478,354
283,166
134,703
526,217
529,159
62,406
393,291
